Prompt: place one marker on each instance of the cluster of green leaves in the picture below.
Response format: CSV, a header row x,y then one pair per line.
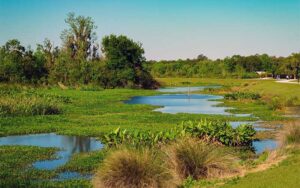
x,y
242,95
211,131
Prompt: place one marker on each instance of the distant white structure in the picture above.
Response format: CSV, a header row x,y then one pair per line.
x,y
261,73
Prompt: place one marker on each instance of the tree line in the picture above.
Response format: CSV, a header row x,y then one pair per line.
x,y
230,67
120,61
78,60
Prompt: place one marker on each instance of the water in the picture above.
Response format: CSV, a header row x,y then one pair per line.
x,y
255,124
181,103
72,175
68,145
262,145
184,102
184,89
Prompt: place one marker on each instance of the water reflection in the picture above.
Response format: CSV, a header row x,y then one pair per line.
x,y
69,145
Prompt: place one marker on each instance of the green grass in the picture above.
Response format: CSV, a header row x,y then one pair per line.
x,y
15,164
285,175
94,112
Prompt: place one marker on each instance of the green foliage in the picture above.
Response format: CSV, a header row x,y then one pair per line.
x,y
242,95
124,60
230,67
211,131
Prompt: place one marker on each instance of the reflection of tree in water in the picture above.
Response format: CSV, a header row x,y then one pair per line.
x,y
79,144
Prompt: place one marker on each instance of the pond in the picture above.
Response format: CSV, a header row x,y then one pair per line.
x,y
256,125
181,103
68,145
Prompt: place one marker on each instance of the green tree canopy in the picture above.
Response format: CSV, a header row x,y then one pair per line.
x,y
124,60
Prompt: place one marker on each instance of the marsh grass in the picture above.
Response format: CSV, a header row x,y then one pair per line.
x,y
16,101
19,106
129,168
290,135
193,158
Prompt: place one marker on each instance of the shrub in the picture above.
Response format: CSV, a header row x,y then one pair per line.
x,y
133,169
197,159
242,95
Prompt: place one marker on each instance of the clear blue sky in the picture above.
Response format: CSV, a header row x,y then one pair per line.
x,y
168,29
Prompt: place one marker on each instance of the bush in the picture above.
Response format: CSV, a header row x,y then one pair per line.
x,y
196,159
133,169
242,95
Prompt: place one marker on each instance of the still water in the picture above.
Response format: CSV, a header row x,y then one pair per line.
x,y
182,103
263,145
68,146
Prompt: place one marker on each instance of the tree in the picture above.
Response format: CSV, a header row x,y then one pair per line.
x,y
124,60
80,37
202,57
50,53
11,62
294,60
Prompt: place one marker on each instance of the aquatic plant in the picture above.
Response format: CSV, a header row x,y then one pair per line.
x,y
210,131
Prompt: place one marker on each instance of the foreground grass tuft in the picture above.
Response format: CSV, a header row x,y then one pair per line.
x,y
133,169
291,134
196,159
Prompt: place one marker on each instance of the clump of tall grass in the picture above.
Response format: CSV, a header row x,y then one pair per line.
x,y
129,168
277,103
15,106
197,159
290,134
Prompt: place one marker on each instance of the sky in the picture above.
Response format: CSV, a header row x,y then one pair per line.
x,y
168,29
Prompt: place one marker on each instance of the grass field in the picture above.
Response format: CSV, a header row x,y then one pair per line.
x,y
94,112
